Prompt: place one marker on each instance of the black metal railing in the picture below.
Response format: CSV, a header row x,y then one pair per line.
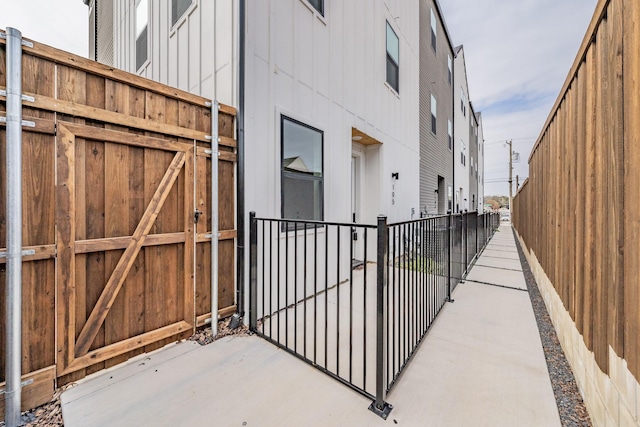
x,y
355,301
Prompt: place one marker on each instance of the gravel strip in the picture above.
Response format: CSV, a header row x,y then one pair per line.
x,y
572,410
50,414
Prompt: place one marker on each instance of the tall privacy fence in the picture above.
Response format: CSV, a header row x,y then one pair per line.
x,y
117,203
578,211
354,300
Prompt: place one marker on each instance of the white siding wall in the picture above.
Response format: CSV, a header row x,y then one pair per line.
x,y
198,54
461,132
330,73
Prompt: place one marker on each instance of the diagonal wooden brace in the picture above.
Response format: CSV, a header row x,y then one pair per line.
x,y
113,286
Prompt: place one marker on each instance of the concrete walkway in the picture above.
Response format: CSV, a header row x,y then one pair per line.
x,y
481,364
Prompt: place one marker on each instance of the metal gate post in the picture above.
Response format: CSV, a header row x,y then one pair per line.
x,y
13,302
379,406
449,240
215,108
253,271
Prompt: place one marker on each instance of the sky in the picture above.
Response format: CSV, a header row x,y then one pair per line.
x,y
518,54
63,24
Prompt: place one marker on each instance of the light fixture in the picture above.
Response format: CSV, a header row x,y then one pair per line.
x,y
356,138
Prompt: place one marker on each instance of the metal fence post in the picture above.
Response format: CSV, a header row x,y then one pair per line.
x,y
379,406
214,218
465,233
449,240
13,302
253,271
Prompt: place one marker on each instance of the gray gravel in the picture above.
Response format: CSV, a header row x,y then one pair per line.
x,y
572,410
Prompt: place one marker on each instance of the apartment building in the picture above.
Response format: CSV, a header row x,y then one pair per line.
x,y
436,111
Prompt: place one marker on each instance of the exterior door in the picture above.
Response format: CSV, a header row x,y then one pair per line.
x,y
355,208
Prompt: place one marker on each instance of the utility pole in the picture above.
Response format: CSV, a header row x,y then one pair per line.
x,y
509,143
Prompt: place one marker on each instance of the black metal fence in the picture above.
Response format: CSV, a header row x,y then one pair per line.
x,y
355,301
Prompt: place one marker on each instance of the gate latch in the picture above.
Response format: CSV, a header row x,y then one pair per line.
x,y
196,216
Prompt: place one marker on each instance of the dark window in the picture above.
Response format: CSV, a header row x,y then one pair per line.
x,y
318,5
302,171
433,31
142,38
393,59
449,69
178,8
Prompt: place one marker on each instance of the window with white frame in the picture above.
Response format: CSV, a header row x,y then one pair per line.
x,y
393,59
449,69
142,33
178,8
302,170
434,31
434,113
450,133
463,102
471,169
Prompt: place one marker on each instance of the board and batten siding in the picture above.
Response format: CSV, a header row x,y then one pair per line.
x,y
329,72
435,155
461,130
204,38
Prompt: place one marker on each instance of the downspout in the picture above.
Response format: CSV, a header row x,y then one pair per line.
x,y
13,302
240,284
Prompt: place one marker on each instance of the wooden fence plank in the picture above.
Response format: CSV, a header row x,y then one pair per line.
x,y
615,309
80,110
631,195
113,350
65,221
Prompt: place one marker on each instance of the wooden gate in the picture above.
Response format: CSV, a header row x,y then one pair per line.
x,y
114,168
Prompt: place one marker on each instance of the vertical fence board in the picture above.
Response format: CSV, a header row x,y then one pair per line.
x,y
631,18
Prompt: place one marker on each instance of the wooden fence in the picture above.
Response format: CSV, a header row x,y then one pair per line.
x,y
579,211
113,172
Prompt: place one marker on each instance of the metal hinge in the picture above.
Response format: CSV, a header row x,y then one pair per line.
x,y
25,123
22,384
24,253
3,92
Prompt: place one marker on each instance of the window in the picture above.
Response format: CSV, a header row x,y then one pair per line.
x,y
449,197
317,5
449,69
393,59
178,8
302,171
142,39
434,113
433,31
450,131
471,168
